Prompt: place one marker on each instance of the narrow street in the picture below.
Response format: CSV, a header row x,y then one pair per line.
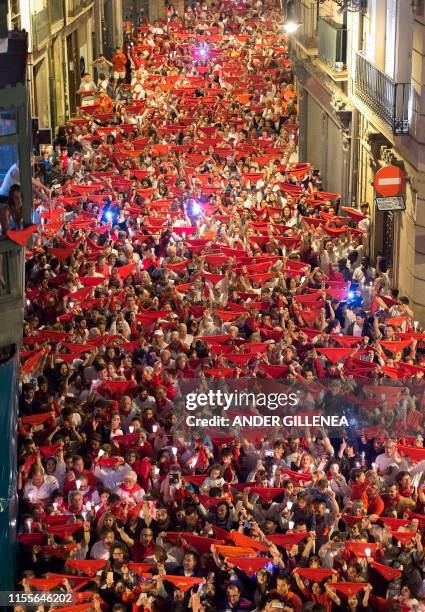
x,y
221,385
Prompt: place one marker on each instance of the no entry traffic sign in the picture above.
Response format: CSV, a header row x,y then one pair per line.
x,y
389,181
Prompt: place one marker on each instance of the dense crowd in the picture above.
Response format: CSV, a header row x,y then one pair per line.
x,y
179,243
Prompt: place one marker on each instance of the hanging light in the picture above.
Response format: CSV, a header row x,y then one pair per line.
x,y
351,6
291,26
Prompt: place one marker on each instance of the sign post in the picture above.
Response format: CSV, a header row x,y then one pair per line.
x,y
393,204
389,181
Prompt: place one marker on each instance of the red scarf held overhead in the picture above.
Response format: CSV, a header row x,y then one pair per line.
x,y
250,566
349,589
287,540
389,573
245,541
90,567
314,574
183,583
359,548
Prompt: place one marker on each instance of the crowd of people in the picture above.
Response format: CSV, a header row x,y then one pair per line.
x,y
179,243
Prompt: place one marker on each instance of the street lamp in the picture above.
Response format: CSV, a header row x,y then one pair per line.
x,y
291,26
350,6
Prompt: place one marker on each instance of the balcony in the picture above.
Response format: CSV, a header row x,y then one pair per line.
x,y
40,21
387,99
333,44
40,27
76,6
306,15
56,10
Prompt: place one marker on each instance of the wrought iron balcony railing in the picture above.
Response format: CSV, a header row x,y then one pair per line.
x,y
40,27
76,6
386,98
40,21
333,44
307,15
56,10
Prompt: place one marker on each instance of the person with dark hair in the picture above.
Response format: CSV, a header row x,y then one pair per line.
x,y
11,213
234,602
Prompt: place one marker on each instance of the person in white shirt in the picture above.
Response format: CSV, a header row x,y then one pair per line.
x,y
111,478
139,92
87,87
356,328
390,457
130,489
101,548
365,223
328,256
364,271
215,479
40,486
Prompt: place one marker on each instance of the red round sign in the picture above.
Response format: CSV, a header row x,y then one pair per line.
x,y
389,181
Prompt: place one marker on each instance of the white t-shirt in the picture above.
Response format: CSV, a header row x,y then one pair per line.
x,y
357,330
383,461
35,494
99,551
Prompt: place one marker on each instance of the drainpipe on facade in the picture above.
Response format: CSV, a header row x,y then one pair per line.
x,y
353,171
65,77
52,76
354,157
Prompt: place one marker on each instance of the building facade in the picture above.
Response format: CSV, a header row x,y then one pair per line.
x,y
360,79
140,10
15,139
64,37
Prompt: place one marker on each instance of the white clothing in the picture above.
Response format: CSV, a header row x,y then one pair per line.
x,y
35,494
99,551
112,478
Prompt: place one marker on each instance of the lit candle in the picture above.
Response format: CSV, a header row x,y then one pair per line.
x,y
131,429
29,522
154,428
55,506
289,505
374,466
291,524
156,471
367,552
88,506
101,453
97,508
416,323
78,484
174,450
